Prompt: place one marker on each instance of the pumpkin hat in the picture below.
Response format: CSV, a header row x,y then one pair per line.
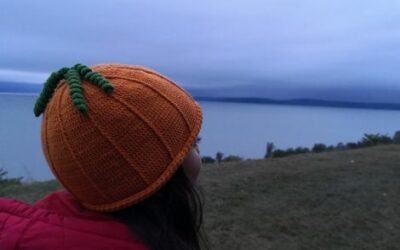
x,y
114,134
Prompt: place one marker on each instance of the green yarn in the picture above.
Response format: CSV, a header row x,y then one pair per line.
x,y
73,76
95,78
48,90
82,69
77,96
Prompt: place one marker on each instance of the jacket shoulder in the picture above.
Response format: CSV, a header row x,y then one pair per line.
x,y
14,219
25,226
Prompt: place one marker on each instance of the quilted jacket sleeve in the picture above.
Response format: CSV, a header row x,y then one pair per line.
x,y
12,226
23,226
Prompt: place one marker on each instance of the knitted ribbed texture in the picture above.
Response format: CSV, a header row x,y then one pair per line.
x,y
128,144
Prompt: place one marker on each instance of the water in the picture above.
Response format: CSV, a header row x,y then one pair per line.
x,y
232,128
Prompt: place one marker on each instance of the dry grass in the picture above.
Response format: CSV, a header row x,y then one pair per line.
x,y
336,200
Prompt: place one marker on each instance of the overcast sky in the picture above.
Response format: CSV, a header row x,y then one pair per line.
x,y
208,42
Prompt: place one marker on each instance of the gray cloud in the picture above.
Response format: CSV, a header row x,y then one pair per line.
x,y
220,43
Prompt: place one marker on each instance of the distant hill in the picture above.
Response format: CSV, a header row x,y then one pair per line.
x,y
351,98
304,102
358,94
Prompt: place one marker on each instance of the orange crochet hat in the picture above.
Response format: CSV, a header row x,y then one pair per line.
x,y
115,137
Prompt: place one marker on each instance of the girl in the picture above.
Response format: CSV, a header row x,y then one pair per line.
x,y
122,142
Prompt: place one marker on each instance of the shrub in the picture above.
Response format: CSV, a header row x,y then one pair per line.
x,y
374,139
331,148
219,157
270,149
4,180
352,145
3,173
279,153
232,158
301,150
207,159
290,151
396,137
340,146
319,147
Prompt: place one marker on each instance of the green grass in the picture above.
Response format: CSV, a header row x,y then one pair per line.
x,y
29,192
335,200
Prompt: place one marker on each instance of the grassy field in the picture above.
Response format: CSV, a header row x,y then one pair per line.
x,y
337,200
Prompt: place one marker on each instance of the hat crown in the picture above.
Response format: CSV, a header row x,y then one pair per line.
x,y
128,144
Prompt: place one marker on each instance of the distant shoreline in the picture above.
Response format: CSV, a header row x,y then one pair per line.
x,y
304,102
292,102
19,93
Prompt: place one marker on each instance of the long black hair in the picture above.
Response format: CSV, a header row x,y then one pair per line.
x,y
169,219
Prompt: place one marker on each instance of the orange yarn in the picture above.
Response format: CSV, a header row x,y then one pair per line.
x,y
130,142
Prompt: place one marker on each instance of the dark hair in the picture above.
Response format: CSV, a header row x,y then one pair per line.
x,y
169,219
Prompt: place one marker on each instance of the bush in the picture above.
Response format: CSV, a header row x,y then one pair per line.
x,y
330,148
352,145
4,180
232,158
279,153
270,149
3,173
290,151
301,150
366,141
207,159
219,157
374,139
396,137
319,147
340,146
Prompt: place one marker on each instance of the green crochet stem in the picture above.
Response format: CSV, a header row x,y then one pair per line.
x,y
73,76
76,90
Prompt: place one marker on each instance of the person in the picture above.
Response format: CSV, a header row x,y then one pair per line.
x,y
122,142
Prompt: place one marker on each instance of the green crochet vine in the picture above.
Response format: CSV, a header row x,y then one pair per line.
x,y
73,76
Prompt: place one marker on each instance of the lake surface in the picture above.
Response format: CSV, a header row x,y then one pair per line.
x,y
232,128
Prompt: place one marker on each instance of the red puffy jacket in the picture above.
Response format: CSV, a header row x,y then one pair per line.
x,y
59,222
